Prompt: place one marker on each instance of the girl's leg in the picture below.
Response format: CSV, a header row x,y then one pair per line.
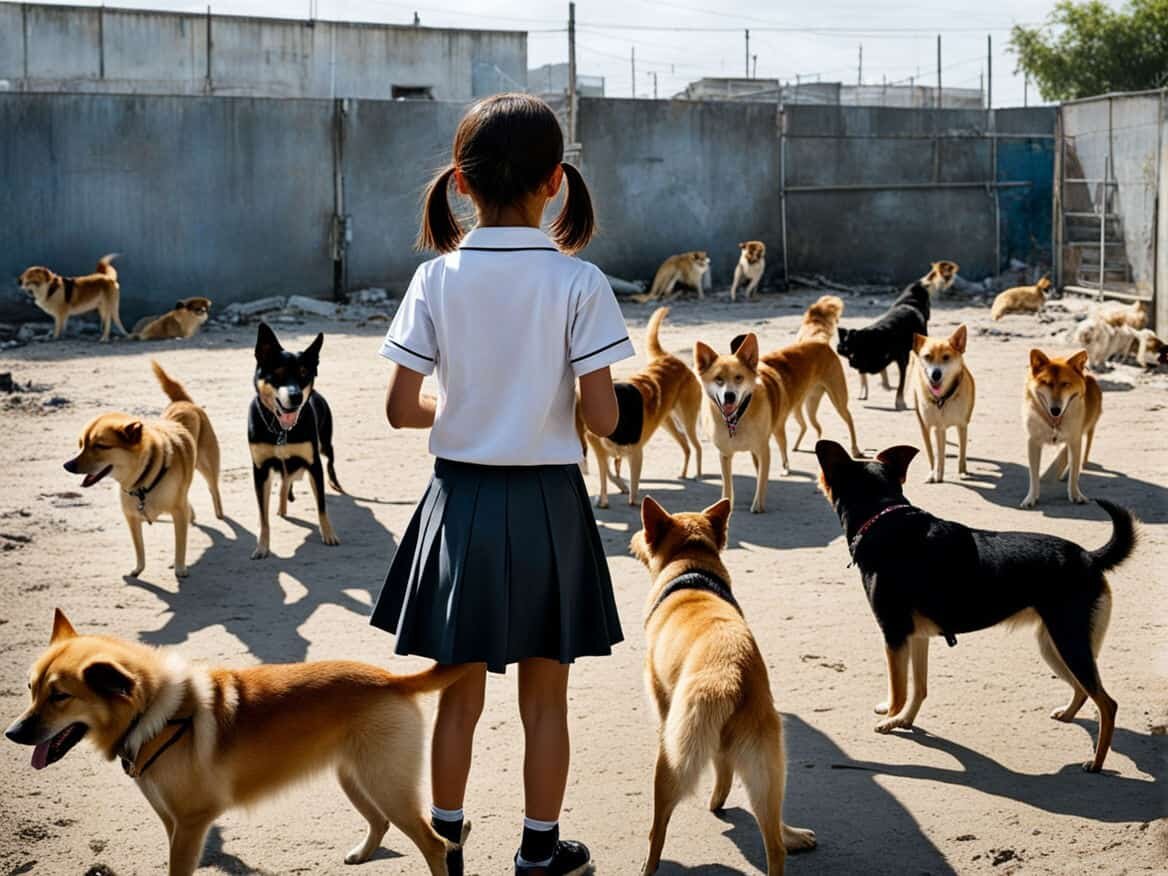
x,y
543,706
458,712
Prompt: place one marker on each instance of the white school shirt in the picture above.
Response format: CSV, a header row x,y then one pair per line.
x,y
508,322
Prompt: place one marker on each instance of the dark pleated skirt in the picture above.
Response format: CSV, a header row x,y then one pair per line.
x,y
500,564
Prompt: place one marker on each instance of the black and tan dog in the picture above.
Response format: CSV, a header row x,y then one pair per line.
x,y
198,740
63,297
925,576
289,429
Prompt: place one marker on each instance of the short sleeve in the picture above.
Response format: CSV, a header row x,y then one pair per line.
x,y
598,336
410,340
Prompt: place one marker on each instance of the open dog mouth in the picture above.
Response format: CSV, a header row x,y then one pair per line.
x,y
286,417
52,750
93,477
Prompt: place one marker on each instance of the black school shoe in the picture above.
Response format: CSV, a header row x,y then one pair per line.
x,y
569,859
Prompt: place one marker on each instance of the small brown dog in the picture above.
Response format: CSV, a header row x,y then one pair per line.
x,y
708,679
198,741
1021,299
821,319
63,297
750,268
1134,315
154,463
686,269
666,394
185,320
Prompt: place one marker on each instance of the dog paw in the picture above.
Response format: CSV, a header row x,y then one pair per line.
x,y
1029,502
796,839
1064,715
330,538
601,503
1091,767
136,571
260,552
1078,499
181,572
900,405
891,724
881,708
357,855
933,478
757,508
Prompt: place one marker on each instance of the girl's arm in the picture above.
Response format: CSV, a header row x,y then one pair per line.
x,y
405,405
598,402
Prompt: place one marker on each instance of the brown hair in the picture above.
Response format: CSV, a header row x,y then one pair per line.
x,y
506,147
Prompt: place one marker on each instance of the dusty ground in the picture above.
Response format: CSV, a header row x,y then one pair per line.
x,y
987,783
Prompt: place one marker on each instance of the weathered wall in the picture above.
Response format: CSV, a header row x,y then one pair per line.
x,y
229,198
91,49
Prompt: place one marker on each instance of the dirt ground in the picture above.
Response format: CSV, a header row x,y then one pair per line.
x,y
987,783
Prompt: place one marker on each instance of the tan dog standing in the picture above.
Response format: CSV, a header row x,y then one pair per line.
x,y
1062,405
750,268
1134,315
1021,299
708,679
666,394
945,394
198,741
686,269
185,320
154,462
63,297
821,319
746,407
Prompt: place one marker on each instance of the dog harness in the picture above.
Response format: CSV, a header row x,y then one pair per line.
x,y
274,426
135,767
1055,423
940,400
732,420
141,492
696,580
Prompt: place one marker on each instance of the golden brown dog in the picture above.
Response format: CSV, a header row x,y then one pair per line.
x,y
63,297
1021,299
944,397
185,320
198,741
1134,315
821,319
746,407
154,462
750,268
687,269
708,680
1062,406
666,394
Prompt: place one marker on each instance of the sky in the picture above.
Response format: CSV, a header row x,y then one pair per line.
x,y
687,40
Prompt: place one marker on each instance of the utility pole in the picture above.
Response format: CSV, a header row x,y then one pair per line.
x,y
633,63
981,85
653,73
754,62
571,73
940,102
860,67
748,53
1026,90
989,71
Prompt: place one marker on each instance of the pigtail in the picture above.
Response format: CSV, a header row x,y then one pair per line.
x,y
440,230
576,224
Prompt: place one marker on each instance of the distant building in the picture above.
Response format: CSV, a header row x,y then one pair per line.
x,y
104,50
829,93
551,80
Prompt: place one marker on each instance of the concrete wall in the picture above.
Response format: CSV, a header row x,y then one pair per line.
x,y
229,198
89,49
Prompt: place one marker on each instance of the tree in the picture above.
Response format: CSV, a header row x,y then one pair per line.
x,y
1087,48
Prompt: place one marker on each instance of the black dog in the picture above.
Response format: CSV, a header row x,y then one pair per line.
x,y
289,429
890,339
925,576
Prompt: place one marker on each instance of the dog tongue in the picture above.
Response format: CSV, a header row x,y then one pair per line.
x,y
288,420
728,409
936,390
40,755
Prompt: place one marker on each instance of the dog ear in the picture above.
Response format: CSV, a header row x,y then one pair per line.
x,y
958,338
313,351
719,516
704,356
736,342
267,344
1078,361
1038,361
918,342
181,304
655,521
62,629
747,351
742,246
897,459
831,456
131,433
108,679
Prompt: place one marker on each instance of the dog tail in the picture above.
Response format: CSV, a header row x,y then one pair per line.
x,y
437,677
173,389
105,265
652,344
1123,537
694,727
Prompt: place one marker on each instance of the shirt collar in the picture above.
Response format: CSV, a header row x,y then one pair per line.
x,y
507,237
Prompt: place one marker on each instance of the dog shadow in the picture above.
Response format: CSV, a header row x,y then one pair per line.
x,y
1006,483
1108,797
852,815
265,605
